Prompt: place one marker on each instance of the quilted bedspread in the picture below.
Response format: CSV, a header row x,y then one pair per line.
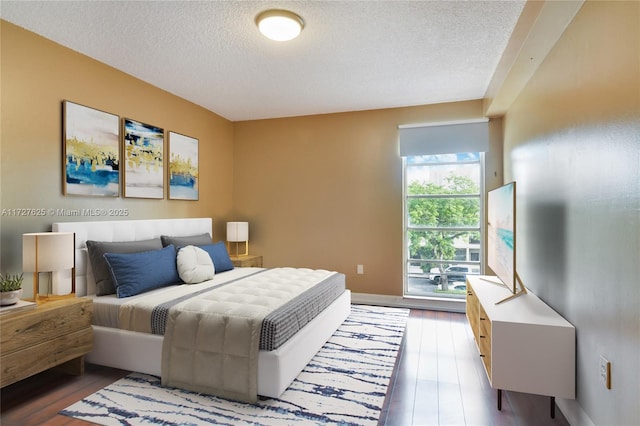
x,y
211,342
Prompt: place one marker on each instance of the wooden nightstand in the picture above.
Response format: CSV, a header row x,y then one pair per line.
x,y
248,260
56,333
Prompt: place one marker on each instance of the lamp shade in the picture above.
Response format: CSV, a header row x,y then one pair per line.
x,y
48,251
237,231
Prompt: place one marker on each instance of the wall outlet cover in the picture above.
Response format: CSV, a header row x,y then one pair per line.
x,y
605,372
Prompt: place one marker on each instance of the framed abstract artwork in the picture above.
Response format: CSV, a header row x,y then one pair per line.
x,y
91,151
143,158
183,167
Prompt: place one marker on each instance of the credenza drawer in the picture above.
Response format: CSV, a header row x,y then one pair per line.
x,y
484,339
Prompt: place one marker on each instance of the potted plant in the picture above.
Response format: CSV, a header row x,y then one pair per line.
x,y
10,289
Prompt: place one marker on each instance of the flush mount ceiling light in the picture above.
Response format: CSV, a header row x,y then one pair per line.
x,y
279,25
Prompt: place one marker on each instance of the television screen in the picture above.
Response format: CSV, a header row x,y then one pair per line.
x,y
501,234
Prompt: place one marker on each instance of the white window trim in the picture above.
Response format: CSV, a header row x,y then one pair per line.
x,y
437,303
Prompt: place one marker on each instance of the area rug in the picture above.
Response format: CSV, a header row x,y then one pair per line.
x,y
344,384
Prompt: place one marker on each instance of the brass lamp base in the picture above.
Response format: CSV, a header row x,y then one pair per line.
x,y
44,298
236,254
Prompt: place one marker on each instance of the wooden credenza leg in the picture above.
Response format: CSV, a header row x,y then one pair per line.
x,y
499,399
553,407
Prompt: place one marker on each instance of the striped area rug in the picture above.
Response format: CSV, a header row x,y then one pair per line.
x,y
345,384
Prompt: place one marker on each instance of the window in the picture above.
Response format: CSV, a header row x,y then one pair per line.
x,y
442,218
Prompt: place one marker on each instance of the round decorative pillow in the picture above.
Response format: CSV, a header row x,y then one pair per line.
x,y
194,265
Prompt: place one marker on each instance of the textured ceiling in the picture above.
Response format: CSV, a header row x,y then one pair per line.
x,y
352,55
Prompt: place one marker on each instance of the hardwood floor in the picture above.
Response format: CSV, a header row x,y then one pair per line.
x,y
438,380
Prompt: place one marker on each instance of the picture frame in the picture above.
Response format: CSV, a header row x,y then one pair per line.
x,y
183,167
143,160
91,151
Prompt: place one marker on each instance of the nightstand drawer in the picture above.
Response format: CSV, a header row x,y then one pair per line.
x,y
247,261
54,333
34,359
48,321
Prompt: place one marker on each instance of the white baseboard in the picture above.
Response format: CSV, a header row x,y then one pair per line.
x,y
434,304
573,412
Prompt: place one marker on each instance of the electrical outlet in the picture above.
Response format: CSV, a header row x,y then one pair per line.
x,y
605,372
360,269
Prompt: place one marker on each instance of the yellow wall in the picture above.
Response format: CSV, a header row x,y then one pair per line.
x,y
37,75
319,191
325,191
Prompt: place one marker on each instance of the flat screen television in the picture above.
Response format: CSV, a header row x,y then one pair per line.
x,y
501,237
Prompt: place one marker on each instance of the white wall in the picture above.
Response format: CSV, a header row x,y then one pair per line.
x,y
572,142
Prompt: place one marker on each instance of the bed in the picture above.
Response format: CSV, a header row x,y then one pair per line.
x,y
135,350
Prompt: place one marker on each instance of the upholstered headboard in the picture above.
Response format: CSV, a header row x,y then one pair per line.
x,y
122,230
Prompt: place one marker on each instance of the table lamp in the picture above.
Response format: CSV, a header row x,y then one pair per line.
x,y
238,232
48,252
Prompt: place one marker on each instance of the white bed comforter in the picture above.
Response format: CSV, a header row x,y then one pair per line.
x,y
211,342
134,313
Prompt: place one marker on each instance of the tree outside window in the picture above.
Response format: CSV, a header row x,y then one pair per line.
x,y
442,210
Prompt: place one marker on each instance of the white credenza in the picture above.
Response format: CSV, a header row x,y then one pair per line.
x,y
525,345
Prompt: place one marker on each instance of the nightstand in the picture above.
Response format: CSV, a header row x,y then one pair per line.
x,y
56,333
248,260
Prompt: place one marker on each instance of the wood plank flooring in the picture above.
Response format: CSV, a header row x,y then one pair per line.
x,y
438,380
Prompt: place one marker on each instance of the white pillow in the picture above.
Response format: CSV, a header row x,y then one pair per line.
x,y
194,265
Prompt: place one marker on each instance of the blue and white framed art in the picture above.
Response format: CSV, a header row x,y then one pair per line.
x,y
183,167
91,151
143,158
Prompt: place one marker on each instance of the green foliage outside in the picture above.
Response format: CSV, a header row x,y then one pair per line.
x,y
441,213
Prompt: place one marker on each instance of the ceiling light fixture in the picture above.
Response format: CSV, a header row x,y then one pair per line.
x,y
279,25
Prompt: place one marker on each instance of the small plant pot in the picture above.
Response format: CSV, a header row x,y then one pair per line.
x,y
10,297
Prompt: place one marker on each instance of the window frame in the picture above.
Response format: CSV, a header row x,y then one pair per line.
x,y
406,227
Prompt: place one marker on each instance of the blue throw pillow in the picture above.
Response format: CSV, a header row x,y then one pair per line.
x,y
219,255
135,273
101,272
